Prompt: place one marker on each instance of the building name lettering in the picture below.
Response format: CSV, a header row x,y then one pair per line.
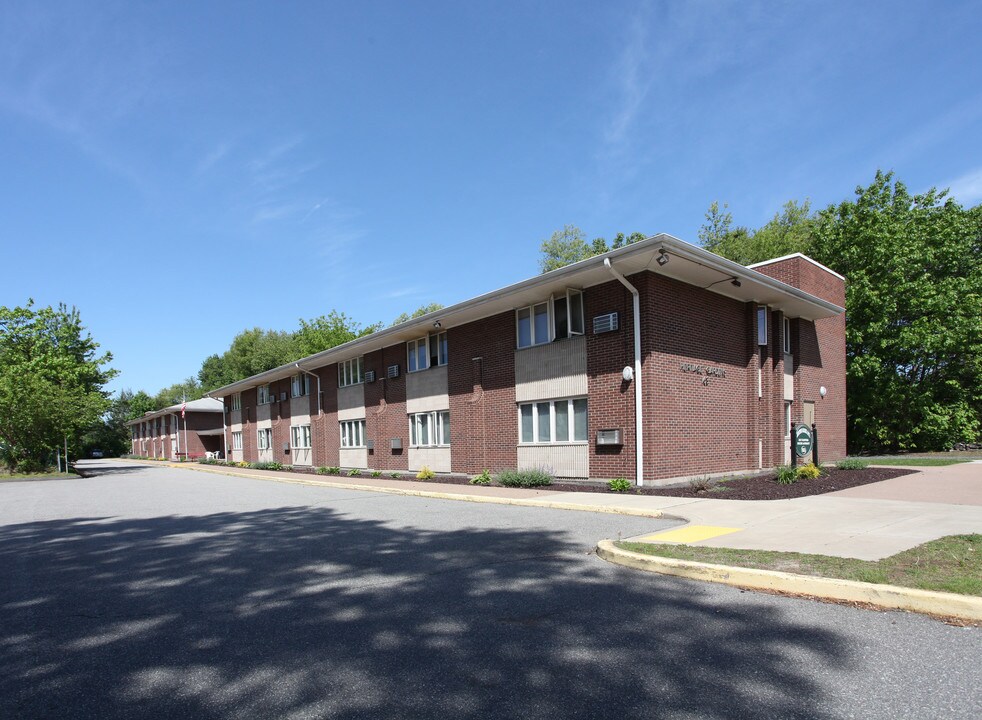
x,y
704,370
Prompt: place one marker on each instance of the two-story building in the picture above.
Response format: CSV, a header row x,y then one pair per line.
x,y
652,362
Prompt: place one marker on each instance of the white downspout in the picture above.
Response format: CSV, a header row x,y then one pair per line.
x,y
638,397
320,411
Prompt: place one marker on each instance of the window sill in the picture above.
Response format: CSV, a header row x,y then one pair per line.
x,y
560,443
429,447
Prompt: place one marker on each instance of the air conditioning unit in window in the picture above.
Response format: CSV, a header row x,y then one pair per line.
x,y
369,376
605,323
393,371
609,437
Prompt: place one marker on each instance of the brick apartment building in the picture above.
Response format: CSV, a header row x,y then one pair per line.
x,y
716,359
163,434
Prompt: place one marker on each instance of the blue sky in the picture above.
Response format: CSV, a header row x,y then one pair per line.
x,y
182,171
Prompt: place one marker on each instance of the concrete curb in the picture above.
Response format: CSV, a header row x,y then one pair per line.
x,y
965,607
433,494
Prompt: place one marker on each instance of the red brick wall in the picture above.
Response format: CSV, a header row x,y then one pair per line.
x,y
385,409
483,413
819,351
324,428
696,422
611,400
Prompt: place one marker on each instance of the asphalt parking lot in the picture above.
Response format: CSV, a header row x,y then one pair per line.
x,y
152,592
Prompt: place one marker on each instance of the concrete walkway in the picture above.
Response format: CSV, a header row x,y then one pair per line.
x,y
869,522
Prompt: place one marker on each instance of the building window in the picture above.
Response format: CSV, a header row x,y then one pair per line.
x,y
300,385
265,439
761,325
264,396
552,421
427,352
430,429
237,401
555,319
236,440
787,418
350,372
353,433
787,336
300,437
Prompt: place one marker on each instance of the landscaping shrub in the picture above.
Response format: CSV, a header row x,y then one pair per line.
x,y
533,477
425,474
702,484
483,479
786,475
395,475
619,485
809,471
376,473
354,472
852,464
271,465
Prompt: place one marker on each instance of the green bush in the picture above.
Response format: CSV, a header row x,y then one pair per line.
x,y
852,464
786,475
425,474
702,484
272,465
533,477
376,473
619,485
395,475
354,472
483,479
809,472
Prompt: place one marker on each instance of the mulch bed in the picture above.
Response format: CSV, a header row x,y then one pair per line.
x,y
758,487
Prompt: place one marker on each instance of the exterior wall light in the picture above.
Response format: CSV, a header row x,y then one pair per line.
x,y
662,257
823,391
628,373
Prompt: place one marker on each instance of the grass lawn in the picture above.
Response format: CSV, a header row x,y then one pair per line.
x,y
949,564
20,477
915,461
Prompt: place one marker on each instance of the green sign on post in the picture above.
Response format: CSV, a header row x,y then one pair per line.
x,y
802,440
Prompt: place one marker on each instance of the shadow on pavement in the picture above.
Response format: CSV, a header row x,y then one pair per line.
x,y
305,612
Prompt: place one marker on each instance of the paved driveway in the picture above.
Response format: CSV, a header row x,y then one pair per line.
x,y
166,593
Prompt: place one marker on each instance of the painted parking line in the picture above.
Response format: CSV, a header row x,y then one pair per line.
x,y
688,534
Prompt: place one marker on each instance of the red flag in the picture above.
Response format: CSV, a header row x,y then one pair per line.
x,y
182,409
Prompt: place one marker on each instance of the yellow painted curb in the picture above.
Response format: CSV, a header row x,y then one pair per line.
x,y
929,602
524,502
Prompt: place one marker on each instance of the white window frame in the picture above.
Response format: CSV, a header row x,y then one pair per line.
x,y
762,325
351,372
236,403
300,437
575,323
352,433
264,396
236,439
787,335
570,422
438,428
300,385
432,348
264,439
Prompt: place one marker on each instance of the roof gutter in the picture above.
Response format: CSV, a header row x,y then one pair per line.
x,y
638,404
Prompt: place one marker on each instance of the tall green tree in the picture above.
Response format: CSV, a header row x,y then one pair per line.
x,y
567,246
327,331
913,268
789,231
418,312
51,382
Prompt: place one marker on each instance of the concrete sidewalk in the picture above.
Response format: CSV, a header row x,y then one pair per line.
x,y
869,522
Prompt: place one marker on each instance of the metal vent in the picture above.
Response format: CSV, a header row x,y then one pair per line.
x,y
369,376
396,443
605,323
393,371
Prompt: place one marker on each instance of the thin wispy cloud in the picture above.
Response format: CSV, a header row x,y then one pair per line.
x,y
966,189
632,81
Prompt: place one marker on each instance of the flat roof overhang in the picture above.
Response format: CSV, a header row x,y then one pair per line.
x,y
687,263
